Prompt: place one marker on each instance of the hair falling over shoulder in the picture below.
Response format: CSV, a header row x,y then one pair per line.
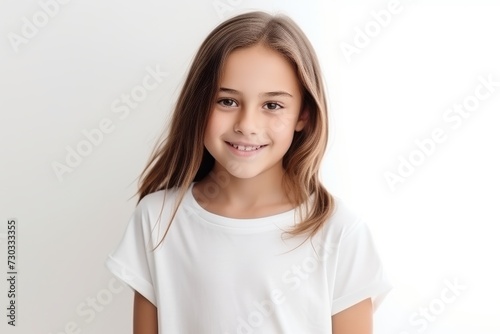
x,y
180,157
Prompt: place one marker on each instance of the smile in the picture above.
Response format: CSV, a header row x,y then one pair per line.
x,y
246,148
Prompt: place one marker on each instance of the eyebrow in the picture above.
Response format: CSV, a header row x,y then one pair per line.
x,y
269,94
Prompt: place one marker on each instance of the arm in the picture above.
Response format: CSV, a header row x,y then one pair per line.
x,y
145,316
357,319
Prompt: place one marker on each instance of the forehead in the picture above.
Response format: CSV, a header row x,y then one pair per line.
x,y
259,69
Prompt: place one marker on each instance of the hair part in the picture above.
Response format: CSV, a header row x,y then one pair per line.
x,y
181,158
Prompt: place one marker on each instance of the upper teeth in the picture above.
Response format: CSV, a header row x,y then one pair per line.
x,y
245,148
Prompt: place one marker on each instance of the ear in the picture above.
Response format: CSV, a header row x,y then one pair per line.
x,y
303,119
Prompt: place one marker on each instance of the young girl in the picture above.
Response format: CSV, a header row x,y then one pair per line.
x,y
234,233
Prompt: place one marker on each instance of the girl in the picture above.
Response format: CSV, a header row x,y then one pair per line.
x,y
234,233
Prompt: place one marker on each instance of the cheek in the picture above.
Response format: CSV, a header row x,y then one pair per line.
x,y
289,139
210,128
214,129
283,128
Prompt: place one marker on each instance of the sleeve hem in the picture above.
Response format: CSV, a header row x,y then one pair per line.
x,y
376,292
130,278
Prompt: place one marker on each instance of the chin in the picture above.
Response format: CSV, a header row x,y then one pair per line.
x,y
243,174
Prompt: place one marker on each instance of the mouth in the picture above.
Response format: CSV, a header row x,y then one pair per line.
x,y
245,148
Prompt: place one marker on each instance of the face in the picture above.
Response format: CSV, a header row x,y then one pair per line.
x,y
256,113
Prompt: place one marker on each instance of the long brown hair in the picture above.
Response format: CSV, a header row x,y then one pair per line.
x,y
181,158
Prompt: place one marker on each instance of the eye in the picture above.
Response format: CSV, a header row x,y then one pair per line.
x,y
228,103
273,106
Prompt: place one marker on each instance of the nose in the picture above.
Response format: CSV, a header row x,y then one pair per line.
x,y
246,122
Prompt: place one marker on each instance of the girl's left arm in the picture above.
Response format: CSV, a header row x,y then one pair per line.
x,y
357,319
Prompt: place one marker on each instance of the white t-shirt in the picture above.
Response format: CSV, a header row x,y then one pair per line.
x,y
219,275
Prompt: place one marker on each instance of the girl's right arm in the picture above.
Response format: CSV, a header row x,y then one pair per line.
x,y
145,315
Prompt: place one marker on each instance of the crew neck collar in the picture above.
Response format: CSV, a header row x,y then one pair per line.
x,y
268,222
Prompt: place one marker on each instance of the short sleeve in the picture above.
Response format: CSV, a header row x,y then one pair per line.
x,y
358,271
131,261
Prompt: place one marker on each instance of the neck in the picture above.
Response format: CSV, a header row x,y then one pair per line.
x,y
262,189
245,198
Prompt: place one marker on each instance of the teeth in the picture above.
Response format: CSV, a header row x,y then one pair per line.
x,y
245,148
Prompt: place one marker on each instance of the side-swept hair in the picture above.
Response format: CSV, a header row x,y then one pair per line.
x,y
181,158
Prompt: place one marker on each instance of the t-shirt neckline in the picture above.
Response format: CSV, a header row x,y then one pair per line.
x,y
242,223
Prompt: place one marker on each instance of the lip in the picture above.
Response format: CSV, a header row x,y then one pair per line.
x,y
237,152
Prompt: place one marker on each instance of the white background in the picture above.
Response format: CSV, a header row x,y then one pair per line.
x,y
436,228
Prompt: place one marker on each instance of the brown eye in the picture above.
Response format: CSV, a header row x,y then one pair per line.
x,y
227,103
273,106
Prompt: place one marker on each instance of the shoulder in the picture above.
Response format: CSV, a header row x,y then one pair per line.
x,y
153,202
154,207
153,199
343,221
344,217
